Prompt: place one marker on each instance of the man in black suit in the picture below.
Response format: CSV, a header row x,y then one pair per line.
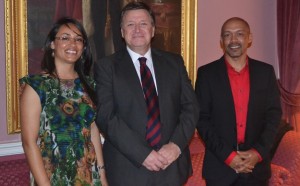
x,y
239,112
123,113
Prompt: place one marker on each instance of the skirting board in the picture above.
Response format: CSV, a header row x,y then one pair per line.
x,y
8,149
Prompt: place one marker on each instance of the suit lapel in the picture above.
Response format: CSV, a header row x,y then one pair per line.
x,y
225,81
130,75
159,71
253,78
226,90
157,64
253,82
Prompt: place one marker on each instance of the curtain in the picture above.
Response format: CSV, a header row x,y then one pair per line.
x,y
70,8
288,36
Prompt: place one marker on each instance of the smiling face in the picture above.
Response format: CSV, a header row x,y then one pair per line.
x,y
68,44
235,38
137,29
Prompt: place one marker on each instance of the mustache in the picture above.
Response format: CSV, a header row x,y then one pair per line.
x,y
234,44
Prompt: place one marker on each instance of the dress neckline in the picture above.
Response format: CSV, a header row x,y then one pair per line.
x,y
60,79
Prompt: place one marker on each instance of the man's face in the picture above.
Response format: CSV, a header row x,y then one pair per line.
x,y
137,29
235,38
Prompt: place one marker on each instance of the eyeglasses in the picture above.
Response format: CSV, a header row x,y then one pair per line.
x,y
68,39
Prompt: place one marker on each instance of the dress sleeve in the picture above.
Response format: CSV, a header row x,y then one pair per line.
x,y
37,83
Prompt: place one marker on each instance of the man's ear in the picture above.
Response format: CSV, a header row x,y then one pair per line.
x,y
222,44
153,31
122,33
250,40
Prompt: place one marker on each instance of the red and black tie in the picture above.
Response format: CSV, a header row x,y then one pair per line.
x,y
153,128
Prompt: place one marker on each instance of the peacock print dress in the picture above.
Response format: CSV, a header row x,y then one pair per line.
x,y
65,130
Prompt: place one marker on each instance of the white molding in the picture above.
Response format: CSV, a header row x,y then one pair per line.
x,y
11,149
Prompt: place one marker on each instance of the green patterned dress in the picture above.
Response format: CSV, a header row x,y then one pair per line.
x,y
65,130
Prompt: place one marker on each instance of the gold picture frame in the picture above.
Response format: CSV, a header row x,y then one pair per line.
x,y
17,51
16,58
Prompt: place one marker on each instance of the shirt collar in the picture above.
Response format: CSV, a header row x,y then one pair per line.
x,y
230,69
134,56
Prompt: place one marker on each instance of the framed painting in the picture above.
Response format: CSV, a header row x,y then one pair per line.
x,y
27,23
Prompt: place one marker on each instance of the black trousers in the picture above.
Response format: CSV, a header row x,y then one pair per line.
x,y
242,180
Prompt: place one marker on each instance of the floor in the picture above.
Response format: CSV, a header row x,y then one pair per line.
x,y
197,155
14,171
17,173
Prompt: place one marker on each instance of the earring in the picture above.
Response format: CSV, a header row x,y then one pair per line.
x,y
52,54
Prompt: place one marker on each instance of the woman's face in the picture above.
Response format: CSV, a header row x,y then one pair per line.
x,y
68,44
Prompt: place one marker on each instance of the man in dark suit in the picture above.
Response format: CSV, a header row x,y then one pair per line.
x,y
124,114
239,112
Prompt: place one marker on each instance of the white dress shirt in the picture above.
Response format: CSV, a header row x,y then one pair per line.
x,y
135,56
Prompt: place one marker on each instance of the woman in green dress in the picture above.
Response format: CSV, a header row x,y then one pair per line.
x,y
60,139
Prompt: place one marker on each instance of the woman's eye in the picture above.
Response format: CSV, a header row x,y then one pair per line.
x,y
79,40
65,38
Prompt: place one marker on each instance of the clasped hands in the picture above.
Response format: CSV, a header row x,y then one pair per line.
x,y
161,159
244,161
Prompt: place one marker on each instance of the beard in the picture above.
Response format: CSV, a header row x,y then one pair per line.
x,y
234,50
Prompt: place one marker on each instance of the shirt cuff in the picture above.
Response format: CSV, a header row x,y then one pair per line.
x,y
230,157
259,156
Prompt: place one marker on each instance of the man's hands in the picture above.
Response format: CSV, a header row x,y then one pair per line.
x,y
161,159
244,161
155,161
171,152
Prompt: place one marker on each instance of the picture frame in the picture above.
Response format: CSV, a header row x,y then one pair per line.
x,y
16,43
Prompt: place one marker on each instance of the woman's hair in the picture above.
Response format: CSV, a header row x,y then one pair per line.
x,y
82,66
137,6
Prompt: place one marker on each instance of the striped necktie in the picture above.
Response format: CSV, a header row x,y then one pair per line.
x,y
153,128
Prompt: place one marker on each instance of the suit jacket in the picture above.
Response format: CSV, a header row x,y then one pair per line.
x,y
122,117
217,121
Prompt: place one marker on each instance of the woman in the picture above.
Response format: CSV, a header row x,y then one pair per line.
x,y
59,135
